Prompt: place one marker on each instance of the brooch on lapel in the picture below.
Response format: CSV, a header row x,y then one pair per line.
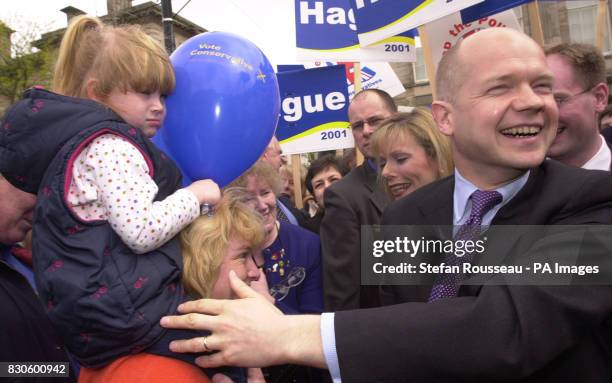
x,y
279,264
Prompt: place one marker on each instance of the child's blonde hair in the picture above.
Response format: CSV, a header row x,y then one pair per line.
x,y
205,241
122,57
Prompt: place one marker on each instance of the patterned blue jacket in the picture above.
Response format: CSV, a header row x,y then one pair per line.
x,y
104,300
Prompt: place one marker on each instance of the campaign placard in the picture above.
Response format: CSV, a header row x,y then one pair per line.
x,y
380,19
488,8
326,30
445,33
377,75
314,110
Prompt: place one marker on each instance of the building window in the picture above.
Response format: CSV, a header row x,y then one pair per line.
x,y
420,72
582,18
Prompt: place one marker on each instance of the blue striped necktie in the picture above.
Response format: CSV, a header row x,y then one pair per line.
x,y
447,285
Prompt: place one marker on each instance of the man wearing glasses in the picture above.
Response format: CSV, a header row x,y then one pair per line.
x,y
581,94
355,200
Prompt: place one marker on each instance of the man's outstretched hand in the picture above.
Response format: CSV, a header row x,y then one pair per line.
x,y
247,332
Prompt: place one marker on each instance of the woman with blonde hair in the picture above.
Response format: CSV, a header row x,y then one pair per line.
x,y
233,235
411,152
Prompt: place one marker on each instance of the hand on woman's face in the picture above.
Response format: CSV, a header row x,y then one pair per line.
x,y
406,167
264,202
238,257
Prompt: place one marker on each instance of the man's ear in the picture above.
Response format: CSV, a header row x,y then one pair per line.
x,y
443,114
90,90
601,93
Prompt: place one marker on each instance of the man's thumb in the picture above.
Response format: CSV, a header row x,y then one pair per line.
x,y
241,289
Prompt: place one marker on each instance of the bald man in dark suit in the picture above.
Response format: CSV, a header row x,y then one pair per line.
x,y
495,102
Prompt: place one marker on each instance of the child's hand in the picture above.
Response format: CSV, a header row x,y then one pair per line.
x,y
206,191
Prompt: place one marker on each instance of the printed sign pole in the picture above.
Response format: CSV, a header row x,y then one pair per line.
x,y
296,162
429,65
357,69
537,32
600,31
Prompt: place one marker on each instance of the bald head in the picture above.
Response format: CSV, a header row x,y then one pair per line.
x,y
496,103
273,154
455,64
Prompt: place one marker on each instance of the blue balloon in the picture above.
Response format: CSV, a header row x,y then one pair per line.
x,y
224,109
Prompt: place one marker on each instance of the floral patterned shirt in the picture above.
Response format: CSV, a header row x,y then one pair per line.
x,y
111,181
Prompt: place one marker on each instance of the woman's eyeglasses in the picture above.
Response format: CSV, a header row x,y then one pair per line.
x,y
294,278
257,264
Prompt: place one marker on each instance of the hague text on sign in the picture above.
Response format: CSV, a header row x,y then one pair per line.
x,y
326,30
314,110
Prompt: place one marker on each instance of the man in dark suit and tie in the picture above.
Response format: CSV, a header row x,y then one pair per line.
x,y
495,101
356,200
581,92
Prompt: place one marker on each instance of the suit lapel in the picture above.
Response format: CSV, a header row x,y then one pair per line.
x,y
378,196
519,205
437,209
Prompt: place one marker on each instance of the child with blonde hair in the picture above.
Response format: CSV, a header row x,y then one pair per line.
x,y
106,257
211,247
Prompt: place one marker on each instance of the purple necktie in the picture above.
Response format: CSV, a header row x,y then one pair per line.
x,y
447,285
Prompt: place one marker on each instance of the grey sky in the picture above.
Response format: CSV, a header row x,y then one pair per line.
x,y
267,23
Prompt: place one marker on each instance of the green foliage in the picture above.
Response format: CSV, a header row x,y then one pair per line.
x,y
21,65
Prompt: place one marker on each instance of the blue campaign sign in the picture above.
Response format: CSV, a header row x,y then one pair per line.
x,y
380,19
333,19
488,8
326,30
372,15
287,68
314,110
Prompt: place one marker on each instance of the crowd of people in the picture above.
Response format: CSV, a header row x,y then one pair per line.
x,y
128,279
